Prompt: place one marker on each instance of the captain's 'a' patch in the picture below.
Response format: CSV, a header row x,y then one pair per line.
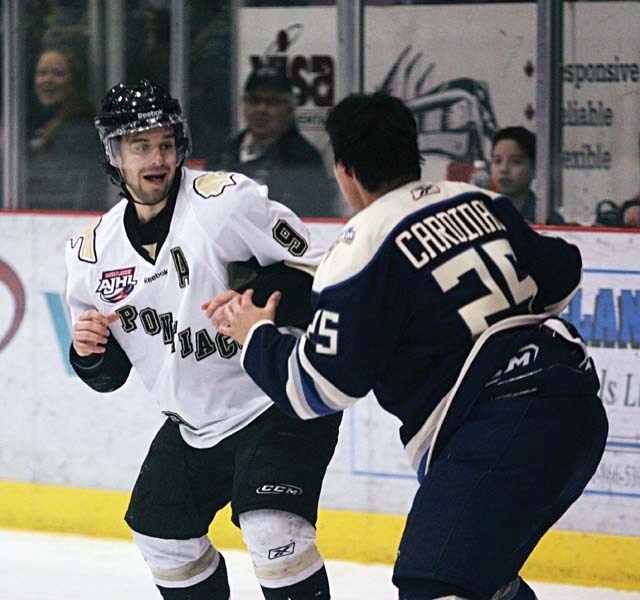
x,y
213,184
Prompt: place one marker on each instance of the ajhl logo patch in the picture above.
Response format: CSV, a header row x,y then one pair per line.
x,y
116,285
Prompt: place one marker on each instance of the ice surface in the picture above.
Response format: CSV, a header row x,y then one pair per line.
x,y
38,566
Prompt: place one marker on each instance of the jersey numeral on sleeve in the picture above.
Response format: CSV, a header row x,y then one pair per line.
x,y
288,237
476,312
325,326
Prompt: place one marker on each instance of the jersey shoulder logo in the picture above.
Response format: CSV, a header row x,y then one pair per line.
x,y
213,184
116,285
347,236
424,190
86,242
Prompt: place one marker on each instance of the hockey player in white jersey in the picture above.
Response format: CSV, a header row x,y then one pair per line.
x,y
137,278
440,298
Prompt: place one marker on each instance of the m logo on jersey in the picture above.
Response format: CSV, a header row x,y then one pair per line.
x,y
116,285
525,357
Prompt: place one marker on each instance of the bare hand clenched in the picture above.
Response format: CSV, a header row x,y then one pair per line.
x,y
234,314
91,332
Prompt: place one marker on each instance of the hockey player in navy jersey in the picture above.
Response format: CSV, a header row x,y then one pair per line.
x,y
439,298
137,278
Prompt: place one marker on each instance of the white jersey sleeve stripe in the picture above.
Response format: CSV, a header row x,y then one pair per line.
x,y
323,393
294,388
250,335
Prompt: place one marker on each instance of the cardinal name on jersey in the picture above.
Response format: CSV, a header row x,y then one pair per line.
x,y
439,232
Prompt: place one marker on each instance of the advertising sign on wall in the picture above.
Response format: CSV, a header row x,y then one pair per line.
x,y
467,70
56,430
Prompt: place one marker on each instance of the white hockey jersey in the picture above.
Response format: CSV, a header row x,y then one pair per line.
x,y
192,370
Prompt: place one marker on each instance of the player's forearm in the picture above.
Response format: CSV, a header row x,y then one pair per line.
x,y
279,365
102,372
265,358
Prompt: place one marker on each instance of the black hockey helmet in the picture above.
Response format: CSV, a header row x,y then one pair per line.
x,y
139,107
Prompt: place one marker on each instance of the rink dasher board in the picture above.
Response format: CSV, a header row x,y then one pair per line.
x,y
59,435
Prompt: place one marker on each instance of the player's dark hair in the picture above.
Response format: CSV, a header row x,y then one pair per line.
x,y
375,136
522,136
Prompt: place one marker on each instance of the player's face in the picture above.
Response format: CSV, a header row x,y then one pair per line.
x,y
53,78
148,162
511,169
268,113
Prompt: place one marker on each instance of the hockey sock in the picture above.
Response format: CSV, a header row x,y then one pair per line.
x,y
215,587
315,587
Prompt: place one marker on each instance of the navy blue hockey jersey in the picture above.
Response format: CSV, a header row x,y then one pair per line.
x,y
423,297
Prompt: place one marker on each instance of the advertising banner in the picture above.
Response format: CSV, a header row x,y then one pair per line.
x,y
467,70
56,430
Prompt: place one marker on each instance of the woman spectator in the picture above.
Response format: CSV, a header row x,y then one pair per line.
x,y
63,169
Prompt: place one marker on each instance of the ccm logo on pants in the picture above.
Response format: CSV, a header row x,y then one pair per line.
x,y
279,488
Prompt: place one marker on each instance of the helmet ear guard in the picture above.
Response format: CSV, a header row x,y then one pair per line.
x,y
139,107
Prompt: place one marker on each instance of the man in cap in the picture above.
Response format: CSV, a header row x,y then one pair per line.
x,y
271,150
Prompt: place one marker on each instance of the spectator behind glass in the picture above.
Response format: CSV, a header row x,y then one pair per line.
x,y
272,150
63,169
609,214
148,41
626,215
631,212
513,168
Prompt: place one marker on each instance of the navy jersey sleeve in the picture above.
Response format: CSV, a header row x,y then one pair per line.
x,y
554,264
411,284
346,348
266,356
